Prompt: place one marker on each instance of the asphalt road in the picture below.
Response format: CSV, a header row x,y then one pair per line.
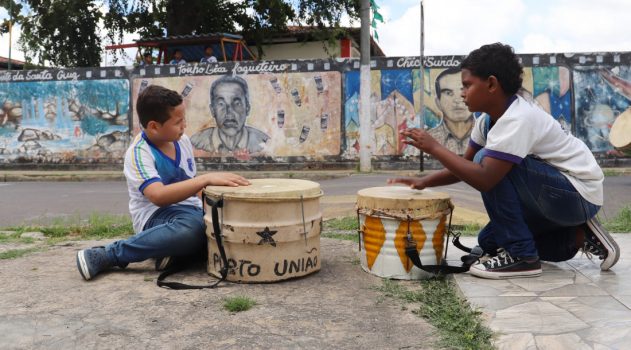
x,y
41,202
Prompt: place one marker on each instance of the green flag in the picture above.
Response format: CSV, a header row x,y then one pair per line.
x,y
374,5
376,36
377,16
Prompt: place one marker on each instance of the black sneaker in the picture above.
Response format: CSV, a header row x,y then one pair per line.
x,y
505,266
599,242
91,262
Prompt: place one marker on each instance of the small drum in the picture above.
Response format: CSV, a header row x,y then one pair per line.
x,y
620,134
387,216
270,230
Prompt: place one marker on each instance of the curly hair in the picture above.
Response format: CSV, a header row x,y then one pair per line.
x,y
498,60
155,103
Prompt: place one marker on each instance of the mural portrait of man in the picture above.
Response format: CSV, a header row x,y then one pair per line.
x,y
454,130
230,106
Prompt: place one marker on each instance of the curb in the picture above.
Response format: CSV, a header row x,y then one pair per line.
x,y
79,176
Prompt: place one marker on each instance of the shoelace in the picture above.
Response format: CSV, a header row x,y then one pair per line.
x,y
497,260
589,250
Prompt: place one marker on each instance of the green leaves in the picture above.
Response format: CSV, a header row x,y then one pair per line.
x,y
71,33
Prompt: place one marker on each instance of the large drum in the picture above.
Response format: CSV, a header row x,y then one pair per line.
x,y
270,230
387,216
620,134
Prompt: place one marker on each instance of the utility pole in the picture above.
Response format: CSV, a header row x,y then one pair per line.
x,y
365,146
422,78
10,31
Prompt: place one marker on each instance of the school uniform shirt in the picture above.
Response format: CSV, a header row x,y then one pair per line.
x,y
211,59
525,129
146,164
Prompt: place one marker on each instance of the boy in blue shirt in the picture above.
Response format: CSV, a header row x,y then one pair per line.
x,y
540,185
163,189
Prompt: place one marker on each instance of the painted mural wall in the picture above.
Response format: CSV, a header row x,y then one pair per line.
x,y
287,112
294,111
63,116
395,102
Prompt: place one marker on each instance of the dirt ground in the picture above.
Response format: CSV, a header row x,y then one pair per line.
x,y
46,304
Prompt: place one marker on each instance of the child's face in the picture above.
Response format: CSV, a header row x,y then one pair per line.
x,y
474,91
173,128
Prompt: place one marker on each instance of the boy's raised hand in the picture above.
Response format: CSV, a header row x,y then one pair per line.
x,y
417,184
225,179
420,139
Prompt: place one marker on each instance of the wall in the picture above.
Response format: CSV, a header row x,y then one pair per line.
x,y
64,116
300,50
301,113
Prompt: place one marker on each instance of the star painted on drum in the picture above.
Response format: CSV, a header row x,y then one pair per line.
x,y
266,237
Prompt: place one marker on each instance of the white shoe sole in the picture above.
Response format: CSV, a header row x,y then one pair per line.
x,y
83,266
613,250
504,275
164,263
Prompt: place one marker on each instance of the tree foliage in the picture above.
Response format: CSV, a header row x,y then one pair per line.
x,y
72,32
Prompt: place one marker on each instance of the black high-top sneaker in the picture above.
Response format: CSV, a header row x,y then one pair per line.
x,y
505,266
599,242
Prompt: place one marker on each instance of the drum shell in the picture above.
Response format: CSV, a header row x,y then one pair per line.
x,y
384,225
620,133
245,222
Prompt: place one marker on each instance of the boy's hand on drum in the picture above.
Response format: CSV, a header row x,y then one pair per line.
x,y
225,179
417,184
420,139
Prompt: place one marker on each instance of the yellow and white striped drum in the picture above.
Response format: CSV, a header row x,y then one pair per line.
x,y
270,230
387,215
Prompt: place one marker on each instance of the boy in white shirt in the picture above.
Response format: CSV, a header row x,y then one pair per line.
x,y
164,204
540,185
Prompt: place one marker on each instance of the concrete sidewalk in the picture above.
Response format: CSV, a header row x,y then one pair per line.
x,y
573,305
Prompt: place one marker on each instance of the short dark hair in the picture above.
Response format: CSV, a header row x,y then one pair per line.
x,y
231,79
498,60
147,54
448,71
155,103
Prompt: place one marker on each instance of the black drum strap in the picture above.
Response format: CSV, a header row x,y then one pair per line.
x,y
218,238
467,260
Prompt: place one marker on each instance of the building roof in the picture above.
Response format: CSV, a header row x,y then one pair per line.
x,y
15,64
304,33
188,39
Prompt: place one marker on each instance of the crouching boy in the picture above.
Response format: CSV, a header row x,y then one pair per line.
x,y
540,185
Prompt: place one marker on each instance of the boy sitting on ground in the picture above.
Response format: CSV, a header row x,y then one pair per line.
x,y
164,204
540,185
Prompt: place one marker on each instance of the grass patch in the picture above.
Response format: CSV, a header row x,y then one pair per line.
x,y
621,222
352,236
348,223
611,172
467,229
238,303
16,253
458,325
96,226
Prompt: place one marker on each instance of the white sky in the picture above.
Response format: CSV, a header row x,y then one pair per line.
x,y
459,26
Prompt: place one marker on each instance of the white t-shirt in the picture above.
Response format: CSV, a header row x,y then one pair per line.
x,y
211,59
146,164
525,129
